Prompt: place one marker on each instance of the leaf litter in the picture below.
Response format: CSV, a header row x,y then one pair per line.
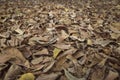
x,y
59,40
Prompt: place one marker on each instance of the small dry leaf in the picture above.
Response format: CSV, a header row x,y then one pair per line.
x,y
51,76
19,31
74,60
13,71
2,66
63,36
44,51
89,42
70,76
102,42
112,75
115,35
56,52
102,63
116,25
98,74
49,67
37,60
62,46
27,76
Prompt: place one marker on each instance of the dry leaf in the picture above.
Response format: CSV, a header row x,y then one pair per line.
x,y
44,51
70,76
19,31
62,46
112,75
89,42
56,52
12,53
63,36
74,60
102,42
49,67
13,72
27,76
37,60
51,76
98,73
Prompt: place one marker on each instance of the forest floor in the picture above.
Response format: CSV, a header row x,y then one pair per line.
x,y
60,40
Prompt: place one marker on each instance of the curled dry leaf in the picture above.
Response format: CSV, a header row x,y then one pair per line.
x,y
49,67
3,66
13,72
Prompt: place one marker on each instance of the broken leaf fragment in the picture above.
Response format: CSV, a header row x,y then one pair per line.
x,y
56,52
27,76
19,31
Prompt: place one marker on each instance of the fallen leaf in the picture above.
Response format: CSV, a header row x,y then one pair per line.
x,y
115,35
44,51
3,66
51,76
69,51
70,76
73,59
98,73
112,75
102,42
19,31
56,52
62,46
27,76
13,72
12,53
37,60
49,67
63,36
89,42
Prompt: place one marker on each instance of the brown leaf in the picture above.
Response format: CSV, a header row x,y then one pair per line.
x,y
63,36
4,58
37,60
44,51
49,67
51,76
98,73
112,75
102,42
13,53
62,46
13,72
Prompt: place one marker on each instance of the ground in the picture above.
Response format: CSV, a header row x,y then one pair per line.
x,y
59,40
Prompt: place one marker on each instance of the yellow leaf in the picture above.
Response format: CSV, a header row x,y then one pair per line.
x,y
56,51
27,76
89,42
